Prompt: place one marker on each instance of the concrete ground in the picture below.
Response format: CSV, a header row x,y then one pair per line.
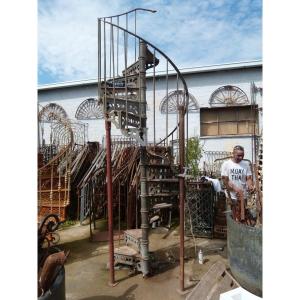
x,y
87,274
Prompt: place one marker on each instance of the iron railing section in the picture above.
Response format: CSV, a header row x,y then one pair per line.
x,y
199,209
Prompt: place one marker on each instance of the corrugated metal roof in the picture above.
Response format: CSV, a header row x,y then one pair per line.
x,y
184,71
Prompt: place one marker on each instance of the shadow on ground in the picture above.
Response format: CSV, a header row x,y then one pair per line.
x,y
128,295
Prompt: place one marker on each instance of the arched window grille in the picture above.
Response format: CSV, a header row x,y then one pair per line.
x,y
175,99
228,95
89,109
51,112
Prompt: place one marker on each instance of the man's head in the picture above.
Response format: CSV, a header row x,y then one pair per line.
x,y
238,153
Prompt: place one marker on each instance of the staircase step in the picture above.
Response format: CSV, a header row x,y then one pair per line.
x,y
166,166
126,255
120,81
126,250
161,195
167,180
119,104
119,89
162,205
131,120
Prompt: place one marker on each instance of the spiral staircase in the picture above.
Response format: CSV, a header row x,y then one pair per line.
x,y
124,103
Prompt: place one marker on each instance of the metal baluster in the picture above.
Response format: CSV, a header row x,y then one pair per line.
x,y
99,58
167,92
154,129
177,105
126,91
51,187
135,36
113,62
118,47
186,98
110,56
105,100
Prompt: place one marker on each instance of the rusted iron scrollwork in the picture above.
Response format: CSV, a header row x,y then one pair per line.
x,y
50,259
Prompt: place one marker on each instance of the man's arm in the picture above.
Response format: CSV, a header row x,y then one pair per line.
x,y
231,187
250,184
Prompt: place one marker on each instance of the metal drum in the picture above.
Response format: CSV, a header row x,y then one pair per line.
x,y
245,254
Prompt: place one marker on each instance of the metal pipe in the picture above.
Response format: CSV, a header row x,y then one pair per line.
x,y
109,201
143,162
181,194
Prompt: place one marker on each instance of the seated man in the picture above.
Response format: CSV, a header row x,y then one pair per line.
x,y
237,177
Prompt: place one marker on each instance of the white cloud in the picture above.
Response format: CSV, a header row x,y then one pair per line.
x,y
191,33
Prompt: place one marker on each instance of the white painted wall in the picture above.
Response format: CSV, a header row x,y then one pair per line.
x,y
200,85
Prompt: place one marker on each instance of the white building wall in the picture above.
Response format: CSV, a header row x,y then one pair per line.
x,y
200,85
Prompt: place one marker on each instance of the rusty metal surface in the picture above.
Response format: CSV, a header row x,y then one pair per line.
x,y
245,254
181,193
199,212
110,203
49,270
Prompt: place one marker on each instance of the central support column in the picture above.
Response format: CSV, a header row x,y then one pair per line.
x,y
143,161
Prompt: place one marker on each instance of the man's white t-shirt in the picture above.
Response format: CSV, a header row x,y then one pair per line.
x,y
237,173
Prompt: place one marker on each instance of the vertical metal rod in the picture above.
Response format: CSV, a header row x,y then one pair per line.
x,y
59,190
135,36
110,49
113,63
118,46
154,125
258,195
109,201
140,96
181,193
94,218
167,113
91,213
187,122
126,91
51,187
119,185
104,52
177,106
143,162
99,58
136,207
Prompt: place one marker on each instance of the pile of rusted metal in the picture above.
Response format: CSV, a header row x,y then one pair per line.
x,y
51,284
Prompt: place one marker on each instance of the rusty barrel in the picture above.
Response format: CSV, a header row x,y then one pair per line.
x,y
244,245
57,290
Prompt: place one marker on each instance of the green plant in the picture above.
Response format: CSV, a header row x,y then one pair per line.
x,y
194,154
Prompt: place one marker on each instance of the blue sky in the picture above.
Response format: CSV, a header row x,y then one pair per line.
x,y
192,33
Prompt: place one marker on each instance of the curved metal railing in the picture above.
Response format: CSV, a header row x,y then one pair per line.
x,y
107,32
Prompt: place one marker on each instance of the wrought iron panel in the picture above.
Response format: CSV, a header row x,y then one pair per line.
x,y
228,95
174,100
89,109
52,112
199,210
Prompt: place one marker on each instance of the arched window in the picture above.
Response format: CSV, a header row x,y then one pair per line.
x,y
51,112
175,99
228,95
89,109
